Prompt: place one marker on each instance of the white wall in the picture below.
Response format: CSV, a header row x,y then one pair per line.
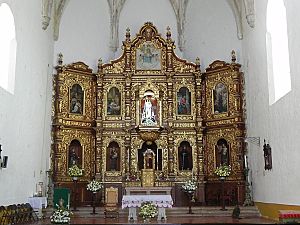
x,y
278,123
211,32
25,115
84,33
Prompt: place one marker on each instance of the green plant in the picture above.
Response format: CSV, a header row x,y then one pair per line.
x,y
75,171
148,210
223,171
189,186
94,186
60,216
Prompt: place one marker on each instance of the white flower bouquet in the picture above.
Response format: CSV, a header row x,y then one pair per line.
x,y
60,216
148,210
223,171
94,186
189,186
75,171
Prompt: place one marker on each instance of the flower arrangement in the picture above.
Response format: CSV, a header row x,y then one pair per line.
x,y
94,186
190,186
75,171
60,215
223,171
148,210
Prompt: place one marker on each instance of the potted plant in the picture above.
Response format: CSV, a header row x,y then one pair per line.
x,y
60,215
223,171
189,187
94,186
148,211
75,172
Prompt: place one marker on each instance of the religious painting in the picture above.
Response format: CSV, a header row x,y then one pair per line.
x,y
75,154
76,99
149,109
220,98
185,158
113,157
222,153
114,102
148,57
184,101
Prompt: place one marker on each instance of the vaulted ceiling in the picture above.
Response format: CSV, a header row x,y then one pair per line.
x,y
53,9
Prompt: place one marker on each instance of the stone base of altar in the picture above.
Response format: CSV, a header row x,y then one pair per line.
x,y
148,190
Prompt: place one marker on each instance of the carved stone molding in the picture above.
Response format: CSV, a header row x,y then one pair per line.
x,y
115,8
179,7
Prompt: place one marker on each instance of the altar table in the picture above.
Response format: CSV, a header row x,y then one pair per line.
x,y
38,203
134,201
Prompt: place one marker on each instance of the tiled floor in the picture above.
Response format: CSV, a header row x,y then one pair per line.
x,y
171,220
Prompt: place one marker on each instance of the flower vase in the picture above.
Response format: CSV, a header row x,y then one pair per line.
x,y
146,220
74,178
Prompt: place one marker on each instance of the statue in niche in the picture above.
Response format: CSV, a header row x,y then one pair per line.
x,y
149,159
113,155
222,153
73,157
185,157
113,158
220,98
75,154
149,109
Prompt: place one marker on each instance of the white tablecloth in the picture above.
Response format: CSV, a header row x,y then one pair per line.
x,y
38,202
161,201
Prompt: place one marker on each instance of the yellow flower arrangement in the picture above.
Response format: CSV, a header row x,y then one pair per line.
x,y
223,171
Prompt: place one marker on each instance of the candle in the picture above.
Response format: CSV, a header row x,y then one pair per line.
x,y
246,164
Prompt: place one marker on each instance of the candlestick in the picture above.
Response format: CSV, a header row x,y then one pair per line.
x,y
246,163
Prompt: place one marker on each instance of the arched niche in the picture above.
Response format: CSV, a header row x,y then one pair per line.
x,y
220,98
184,101
222,152
76,99
157,152
185,156
75,154
149,109
113,157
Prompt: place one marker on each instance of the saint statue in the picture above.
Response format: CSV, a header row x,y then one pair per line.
x,y
223,151
113,158
148,111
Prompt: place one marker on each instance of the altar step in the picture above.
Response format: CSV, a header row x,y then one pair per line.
x,y
208,211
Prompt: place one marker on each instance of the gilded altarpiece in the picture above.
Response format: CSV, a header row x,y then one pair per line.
x,y
150,100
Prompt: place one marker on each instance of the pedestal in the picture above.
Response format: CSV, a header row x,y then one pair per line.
x,y
190,195
94,203
223,193
75,180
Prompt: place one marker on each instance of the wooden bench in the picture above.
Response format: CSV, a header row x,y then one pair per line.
x,y
289,216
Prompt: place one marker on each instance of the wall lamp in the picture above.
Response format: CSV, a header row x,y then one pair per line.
x,y
3,160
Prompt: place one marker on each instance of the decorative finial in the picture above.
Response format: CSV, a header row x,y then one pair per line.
x,y
100,62
197,61
127,34
168,33
60,59
233,57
